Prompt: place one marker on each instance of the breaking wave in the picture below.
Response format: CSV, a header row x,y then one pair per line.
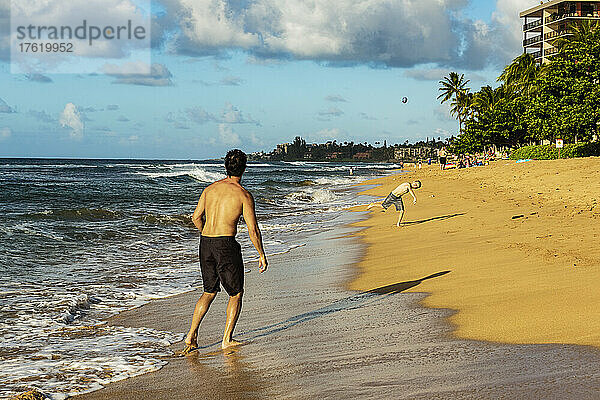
x,y
197,173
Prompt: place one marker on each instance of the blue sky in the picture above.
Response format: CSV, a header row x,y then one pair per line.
x,y
213,87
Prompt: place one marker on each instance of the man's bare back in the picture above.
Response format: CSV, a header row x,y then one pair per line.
x,y
222,204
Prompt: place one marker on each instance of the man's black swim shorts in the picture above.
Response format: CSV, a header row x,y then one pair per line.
x,y
221,264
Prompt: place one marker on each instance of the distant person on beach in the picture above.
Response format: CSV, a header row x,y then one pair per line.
x,y
443,158
395,198
216,216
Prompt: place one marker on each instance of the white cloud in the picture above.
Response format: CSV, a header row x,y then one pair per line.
x,y
90,109
367,116
139,73
390,33
196,114
134,68
375,32
432,74
443,133
336,98
212,23
331,112
42,116
255,140
129,140
225,81
233,115
38,78
97,12
231,81
442,112
105,130
71,118
264,61
326,134
437,74
229,115
5,133
332,133
227,136
509,27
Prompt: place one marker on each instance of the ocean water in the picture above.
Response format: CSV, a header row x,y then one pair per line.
x,y
81,240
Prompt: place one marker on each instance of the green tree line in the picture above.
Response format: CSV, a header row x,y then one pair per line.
x,y
300,150
560,99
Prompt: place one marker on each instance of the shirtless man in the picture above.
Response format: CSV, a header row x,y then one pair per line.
x,y
216,216
395,198
443,158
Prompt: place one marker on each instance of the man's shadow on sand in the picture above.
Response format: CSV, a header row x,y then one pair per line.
x,y
440,218
353,302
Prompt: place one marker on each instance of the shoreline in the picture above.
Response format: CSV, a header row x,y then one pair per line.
x,y
156,313
518,239
387,342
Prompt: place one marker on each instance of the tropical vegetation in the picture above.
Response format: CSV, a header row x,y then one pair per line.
x,y
550,152
532,103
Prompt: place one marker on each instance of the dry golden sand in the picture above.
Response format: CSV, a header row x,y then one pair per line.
x,y
532,279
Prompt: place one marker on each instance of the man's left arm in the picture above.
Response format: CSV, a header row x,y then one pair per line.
x,y
197,217
413,195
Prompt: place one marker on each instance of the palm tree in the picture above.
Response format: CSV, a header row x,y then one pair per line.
x,y
580,34
463,106
487,98
454,87
521,73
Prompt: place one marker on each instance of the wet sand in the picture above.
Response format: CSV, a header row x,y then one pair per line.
x,y
309,337
521,240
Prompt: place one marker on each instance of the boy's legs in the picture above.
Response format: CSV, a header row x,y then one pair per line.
x,y
400,218
374,205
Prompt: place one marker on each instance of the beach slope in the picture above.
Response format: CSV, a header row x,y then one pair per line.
x,y
522,242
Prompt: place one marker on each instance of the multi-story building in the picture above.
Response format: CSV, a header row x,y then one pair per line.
x,y
282,148
551,20
414,153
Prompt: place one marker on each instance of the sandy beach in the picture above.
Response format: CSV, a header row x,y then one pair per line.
x,y
520,240
308,336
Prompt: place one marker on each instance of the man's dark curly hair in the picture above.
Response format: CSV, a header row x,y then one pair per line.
x,y
235,162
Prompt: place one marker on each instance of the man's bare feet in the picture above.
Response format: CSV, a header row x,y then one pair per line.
x,y
188,349
191,340
230,343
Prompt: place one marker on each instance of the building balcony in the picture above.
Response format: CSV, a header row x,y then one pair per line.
x,y
532,25
537,54
550,52
533,40
562,17
556,34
